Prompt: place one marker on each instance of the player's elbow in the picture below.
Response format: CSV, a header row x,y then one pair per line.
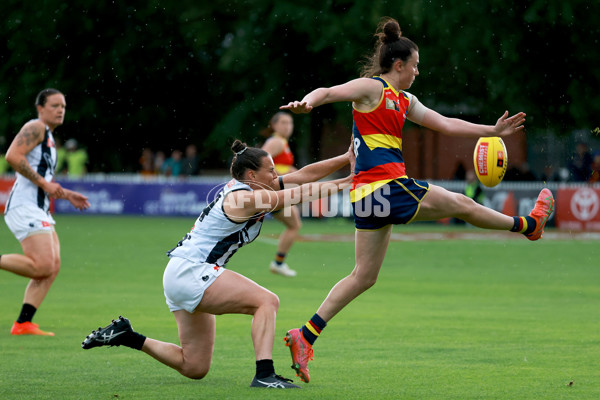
x,y
11,159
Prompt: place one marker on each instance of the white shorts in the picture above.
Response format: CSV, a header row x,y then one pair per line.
x,y
27,220
185,282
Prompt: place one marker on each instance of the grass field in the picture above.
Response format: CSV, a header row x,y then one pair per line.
x,y
448,319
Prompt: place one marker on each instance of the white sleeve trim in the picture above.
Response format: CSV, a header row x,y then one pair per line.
x,y
416,110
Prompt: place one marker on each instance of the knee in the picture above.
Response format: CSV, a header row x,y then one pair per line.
x,y
463,205
46,269
297,224
272,301
364,283
294,226
195,373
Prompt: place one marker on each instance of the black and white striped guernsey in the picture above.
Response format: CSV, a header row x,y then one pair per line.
x,y
214,237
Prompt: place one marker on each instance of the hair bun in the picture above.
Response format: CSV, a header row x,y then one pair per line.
x,y
238,146
391,31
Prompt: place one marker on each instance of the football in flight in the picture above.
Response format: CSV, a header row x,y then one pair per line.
x,y
490,159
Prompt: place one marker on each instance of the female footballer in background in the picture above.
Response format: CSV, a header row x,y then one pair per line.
x,y
32,154
281,127
380,107
197,285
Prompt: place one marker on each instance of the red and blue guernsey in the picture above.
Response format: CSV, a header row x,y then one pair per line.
x,y
378,142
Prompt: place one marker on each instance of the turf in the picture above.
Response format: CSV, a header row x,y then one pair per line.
x,y
448,319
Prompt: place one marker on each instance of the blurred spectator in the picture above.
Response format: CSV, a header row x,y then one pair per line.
x,y
580,165
4,167
61,156
172,165
159,160
550,175
473,190
519,173
190,165
460,174
75,158
595,175
147,162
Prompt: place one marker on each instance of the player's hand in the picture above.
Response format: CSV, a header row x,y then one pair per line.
x,y
297,107
54,190
78,200
507,126
351,156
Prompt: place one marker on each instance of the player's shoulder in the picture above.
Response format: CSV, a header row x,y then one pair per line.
x,y
34,125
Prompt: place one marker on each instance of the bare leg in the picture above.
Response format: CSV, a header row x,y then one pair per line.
x,y
231,293
369,252
292,224
44,250
18,264
441,203
197,338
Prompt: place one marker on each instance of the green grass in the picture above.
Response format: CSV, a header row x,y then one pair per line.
x,y
448,319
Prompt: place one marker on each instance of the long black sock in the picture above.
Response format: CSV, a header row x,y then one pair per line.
x,y
264,368
27,313
134,340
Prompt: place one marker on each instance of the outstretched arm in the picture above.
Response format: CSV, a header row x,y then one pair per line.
x,y
360,91
457,127
321,169
242,205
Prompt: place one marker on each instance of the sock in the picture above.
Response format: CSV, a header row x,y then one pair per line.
x,y
280,258
27,313
264,368
134,340
313,328
524,225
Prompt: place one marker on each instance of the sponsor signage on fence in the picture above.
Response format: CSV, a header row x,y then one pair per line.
x,y
578,209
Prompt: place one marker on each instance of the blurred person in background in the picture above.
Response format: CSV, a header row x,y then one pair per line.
x,y
280,129
382,194
190,164
595,175
580,164
61,156
159,160
32,154
146,162
75,158
172,165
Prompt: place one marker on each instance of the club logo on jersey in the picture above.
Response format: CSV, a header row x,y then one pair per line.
x,y
392,105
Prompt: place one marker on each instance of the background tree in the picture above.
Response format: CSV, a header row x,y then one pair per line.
x,y
163,74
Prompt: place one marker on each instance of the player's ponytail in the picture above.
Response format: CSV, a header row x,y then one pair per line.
x,y
245,158
389,47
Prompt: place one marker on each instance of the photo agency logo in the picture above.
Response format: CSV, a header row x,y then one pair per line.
x,y
244,200
312,200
